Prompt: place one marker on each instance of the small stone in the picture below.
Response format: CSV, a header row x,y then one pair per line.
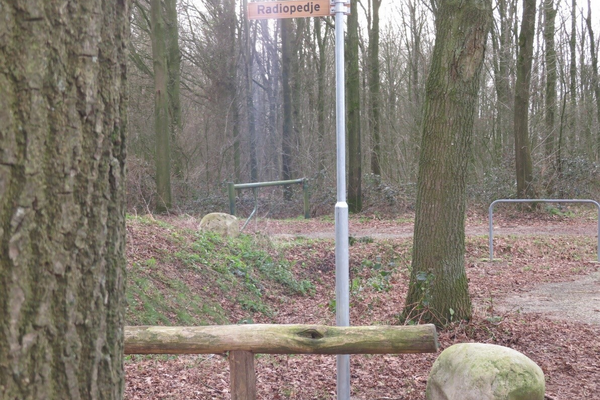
x,y
225,224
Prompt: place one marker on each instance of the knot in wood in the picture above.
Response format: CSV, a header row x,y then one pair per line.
x,y
311,334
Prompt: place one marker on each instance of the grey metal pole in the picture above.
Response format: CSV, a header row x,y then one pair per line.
x,y
342,287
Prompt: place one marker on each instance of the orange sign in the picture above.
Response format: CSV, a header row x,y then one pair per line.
x,y
289,9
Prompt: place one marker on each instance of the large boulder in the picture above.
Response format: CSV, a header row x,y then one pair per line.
x,y
476,371
225,224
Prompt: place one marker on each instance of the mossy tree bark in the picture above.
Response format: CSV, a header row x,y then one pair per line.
x,y
438,290
63,117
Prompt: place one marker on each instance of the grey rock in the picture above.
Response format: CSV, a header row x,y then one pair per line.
x,y
225,224
476,371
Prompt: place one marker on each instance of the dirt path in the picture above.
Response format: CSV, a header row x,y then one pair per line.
x,y
572,301
384,229
577,300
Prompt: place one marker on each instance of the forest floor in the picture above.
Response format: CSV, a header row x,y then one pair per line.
x,y
540,296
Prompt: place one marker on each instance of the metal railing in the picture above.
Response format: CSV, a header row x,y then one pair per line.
x,y
491,215
232,187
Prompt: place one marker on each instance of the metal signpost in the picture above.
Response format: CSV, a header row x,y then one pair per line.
x,y
342,287
314,8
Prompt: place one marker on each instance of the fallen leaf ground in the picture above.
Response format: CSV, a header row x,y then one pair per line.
x,y
531,250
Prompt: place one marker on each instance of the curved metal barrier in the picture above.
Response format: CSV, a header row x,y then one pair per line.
x,y
232,187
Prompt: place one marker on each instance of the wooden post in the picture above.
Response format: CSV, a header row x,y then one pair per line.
x,y
242,379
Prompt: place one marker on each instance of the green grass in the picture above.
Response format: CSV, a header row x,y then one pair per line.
x,y
186,286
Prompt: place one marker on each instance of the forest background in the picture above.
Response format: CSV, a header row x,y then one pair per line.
x,y
255,101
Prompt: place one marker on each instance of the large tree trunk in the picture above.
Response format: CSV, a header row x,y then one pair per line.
x,y
161,108
353,112
63,117
438,290
524,167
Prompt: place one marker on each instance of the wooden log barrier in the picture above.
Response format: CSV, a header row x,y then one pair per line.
x,y
281,339
243,341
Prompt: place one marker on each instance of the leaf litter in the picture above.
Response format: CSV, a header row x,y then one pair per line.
x,y
534,253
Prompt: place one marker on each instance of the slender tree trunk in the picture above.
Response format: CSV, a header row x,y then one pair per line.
x,y
249,67
415,80
572,109
353,113
174,84
524,167
321,106
595,77
374,90
550,56
438,289
286,140
161,108
502,56
231,85
273,150
63,121
299,89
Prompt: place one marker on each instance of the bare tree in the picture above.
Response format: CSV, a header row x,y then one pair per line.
x,y
248,56
353,112
161,107
550,57
174,82
524,167
374,89
438,289
287,132
595,77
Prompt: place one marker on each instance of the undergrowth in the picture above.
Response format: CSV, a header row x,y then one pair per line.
x,y
186,277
